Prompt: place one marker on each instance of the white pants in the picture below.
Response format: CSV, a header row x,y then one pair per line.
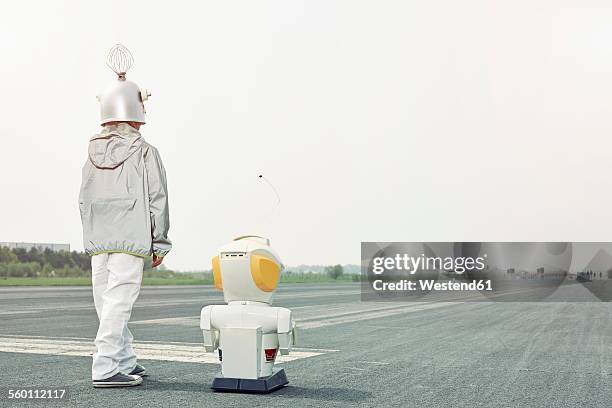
x,y
116,280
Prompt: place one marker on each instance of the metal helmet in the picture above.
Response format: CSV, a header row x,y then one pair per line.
x,y
123,100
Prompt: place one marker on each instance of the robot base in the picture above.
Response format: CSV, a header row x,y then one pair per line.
x,y
260,386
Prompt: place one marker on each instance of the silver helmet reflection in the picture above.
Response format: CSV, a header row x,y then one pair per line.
x,y
123,100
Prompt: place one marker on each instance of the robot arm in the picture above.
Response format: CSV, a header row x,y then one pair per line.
x,y
211,335
286,331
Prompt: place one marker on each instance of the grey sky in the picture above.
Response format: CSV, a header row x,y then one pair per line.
x,y
379,120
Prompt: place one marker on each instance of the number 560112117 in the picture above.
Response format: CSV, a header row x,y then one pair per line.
x,y
30,393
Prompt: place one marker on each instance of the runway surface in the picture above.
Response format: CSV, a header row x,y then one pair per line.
x,y
351,353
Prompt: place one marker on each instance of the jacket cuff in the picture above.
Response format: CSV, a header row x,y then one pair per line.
x,y
160,253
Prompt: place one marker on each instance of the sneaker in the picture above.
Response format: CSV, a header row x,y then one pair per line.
x,y
139,370
118,380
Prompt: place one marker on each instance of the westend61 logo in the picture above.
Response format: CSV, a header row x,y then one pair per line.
x,y
411,264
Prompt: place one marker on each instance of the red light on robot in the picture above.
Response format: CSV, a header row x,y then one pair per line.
x,y
270,354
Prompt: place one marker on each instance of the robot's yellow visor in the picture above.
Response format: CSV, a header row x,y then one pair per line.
x,y
216,267
264,271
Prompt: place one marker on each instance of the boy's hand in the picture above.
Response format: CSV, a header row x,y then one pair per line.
x,y
157,260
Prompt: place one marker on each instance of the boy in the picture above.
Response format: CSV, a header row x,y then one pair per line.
x,y
124,211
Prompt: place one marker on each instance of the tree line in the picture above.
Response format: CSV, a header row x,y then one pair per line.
x,y
22,263
32,263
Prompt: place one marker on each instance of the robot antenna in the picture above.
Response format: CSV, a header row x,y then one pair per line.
x,y
278,200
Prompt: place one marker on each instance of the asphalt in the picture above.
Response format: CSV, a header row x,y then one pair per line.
x,y
449,354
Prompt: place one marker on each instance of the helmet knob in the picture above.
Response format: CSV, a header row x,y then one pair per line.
x,y
145,94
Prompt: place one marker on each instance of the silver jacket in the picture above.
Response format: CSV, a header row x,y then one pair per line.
x,y
124,196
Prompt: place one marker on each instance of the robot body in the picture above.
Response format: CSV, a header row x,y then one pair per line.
x,y
248,331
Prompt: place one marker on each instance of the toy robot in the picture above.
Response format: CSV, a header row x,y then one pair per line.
x,y
248,331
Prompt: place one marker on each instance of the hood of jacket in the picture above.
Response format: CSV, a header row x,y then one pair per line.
x,y
114,145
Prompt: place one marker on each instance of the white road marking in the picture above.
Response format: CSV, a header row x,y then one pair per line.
x,y
180,352
148,303
343,318
350,313
190,321
314,312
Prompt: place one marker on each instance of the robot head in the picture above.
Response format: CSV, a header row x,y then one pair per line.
x,y
247,269
122,101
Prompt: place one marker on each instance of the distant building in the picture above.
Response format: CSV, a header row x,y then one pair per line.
x,y
40,246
